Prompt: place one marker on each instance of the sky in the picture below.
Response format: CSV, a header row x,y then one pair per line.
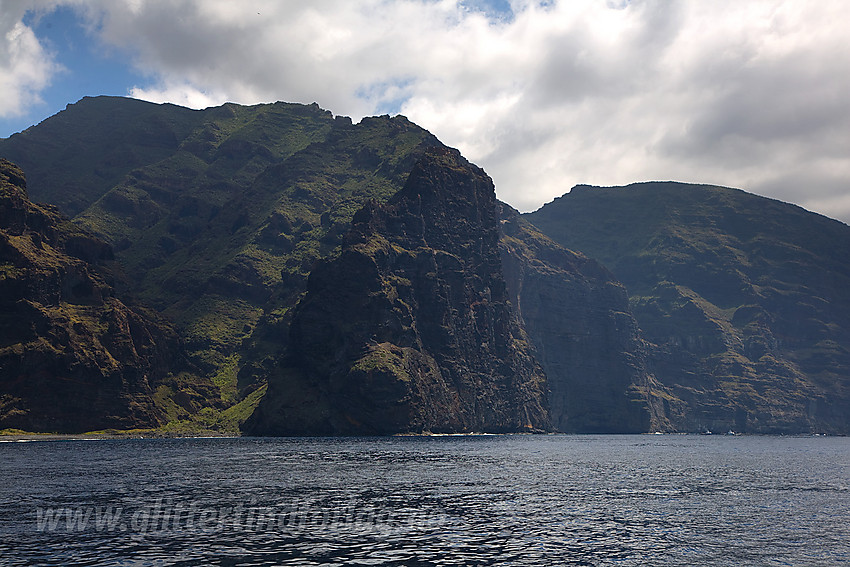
x,y
544,95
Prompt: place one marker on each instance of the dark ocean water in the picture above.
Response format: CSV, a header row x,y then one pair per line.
x,y
474,500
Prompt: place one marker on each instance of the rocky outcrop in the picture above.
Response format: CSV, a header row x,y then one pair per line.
x,y
73,357
584,334
410,328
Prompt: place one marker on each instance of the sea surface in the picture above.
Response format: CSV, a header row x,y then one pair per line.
x,y
420,501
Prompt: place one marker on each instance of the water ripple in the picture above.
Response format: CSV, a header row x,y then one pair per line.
x,y
496,500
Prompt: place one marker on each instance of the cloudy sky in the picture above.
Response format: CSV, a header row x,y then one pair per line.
x,y
543,95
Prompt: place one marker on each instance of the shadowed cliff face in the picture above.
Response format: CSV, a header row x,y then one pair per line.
x,y
579,320
745,300
410,328
72,356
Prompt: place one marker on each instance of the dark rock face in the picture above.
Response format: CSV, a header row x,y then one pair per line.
x,y
745,301
410,328
73,357
584,334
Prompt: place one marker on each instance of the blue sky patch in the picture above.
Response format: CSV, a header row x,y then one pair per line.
x,y
89,68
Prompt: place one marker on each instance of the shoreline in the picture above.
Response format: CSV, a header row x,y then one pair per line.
x,y
25,437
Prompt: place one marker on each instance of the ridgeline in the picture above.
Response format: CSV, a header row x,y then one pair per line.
x,y
192,269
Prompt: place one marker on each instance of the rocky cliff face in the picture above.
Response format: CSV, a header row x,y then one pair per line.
x,y
217,216
73,357
587,340
410,327
745,300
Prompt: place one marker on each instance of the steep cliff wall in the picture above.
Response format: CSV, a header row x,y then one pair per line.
x,y
410,328
585,336
73,357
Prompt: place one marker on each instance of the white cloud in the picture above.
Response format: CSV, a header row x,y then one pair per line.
x,y
183,94
25,66
749,94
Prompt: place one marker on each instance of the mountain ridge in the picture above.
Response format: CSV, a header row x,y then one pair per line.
x,y
743,297
647,309
218,231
